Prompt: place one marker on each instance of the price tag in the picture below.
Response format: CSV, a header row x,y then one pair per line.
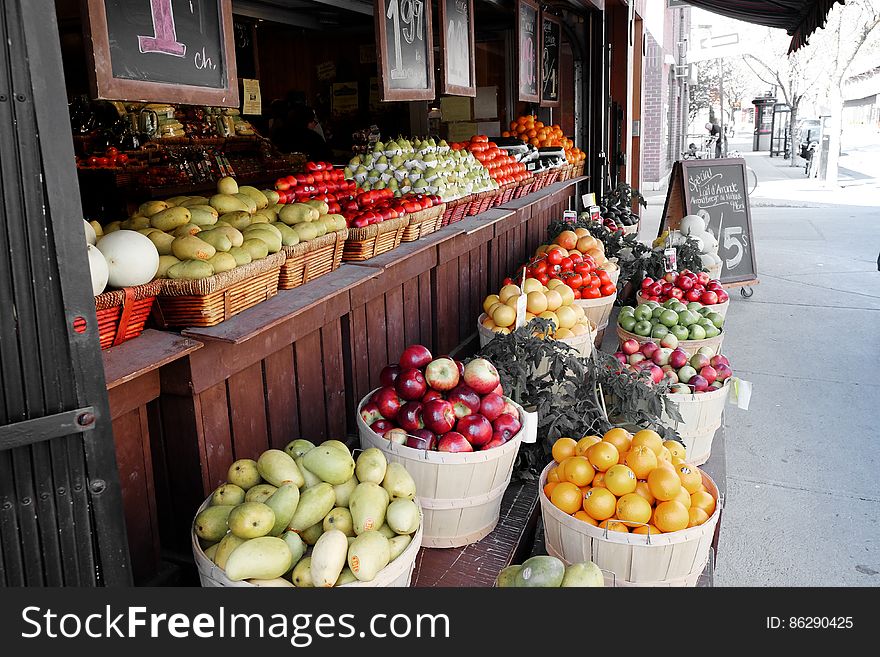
x,y
570,215
740,393
595,213
589,199
670,259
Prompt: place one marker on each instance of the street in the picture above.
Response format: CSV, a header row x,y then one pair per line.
x,y
803,502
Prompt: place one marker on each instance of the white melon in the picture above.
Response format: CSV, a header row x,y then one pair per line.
x,y
132,258
91,237
99,270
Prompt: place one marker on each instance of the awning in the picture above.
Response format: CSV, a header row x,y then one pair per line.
x,y
799,18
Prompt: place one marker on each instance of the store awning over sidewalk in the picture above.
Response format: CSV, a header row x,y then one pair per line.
x,y
799,18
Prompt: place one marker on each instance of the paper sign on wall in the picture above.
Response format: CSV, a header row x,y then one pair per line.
x,y
251,99
462,131
345,97
454,108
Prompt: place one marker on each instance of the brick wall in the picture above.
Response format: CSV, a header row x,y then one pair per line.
x,y
653,125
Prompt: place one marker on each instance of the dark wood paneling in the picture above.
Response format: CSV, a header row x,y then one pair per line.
x,y
334,381
394,313
217,451
310,387
247,412
281,401
377,339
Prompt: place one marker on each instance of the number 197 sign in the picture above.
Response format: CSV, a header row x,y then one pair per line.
x,y
404,49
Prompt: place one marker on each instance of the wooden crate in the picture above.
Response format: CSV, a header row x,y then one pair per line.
x,y
123,313
370,241
309,260
673,559
212,300
423,223
396,574
460,494
701,417
690,346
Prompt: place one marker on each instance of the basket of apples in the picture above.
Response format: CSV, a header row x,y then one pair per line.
x,y
675,324
686,287
451,427
700,388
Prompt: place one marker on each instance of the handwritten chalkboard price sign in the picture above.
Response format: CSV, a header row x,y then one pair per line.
x,y
717,190
405,49
551,48
174,51
529,50
457,47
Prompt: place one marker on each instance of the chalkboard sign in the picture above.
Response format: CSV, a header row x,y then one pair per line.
x,y
405,49
175,51
716,189
551,48
528,50
457,47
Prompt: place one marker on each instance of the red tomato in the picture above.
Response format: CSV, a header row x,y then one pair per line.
x,y
608,289
575,281
541,267
603,276
566,264
590,262
543,278
554,257
591,293
577,294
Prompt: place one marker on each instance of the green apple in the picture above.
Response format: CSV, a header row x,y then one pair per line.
x,y
679,306
659,331
697,332
705,322
669,318
694,305
627,310
642,328
643,312
670,302
659,310
680,332
712,331
717,319
627,322
686,318
708,352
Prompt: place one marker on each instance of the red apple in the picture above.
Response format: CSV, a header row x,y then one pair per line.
x,y
422,439
723,372
621,357
387,401
722,296
431,394
439,416
460,366
397,435
661,356
481,376
415,356
699,383
684,282
709,373
411,416
718,359
476,428
506,425
442,374
656,372
671,375
648,348
453,442
491,406
708,298
497,441
498,390
382,427
370,413
411,384
389,374
693,295
630,346
464,400
703,277
699,361
510,409
678,358
636,358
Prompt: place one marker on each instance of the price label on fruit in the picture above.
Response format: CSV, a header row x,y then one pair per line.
x,y
595,213
569,215
670,258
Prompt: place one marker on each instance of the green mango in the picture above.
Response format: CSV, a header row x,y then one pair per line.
x,y
227,495
226,546
399,483
314,503
540,571
243,473
368,554
331,464
266,557
278,468
283,502
260,493
367,504
339,518
210,523
371,466
398,544
251,520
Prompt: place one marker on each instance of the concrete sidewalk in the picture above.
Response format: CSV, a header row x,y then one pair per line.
x,y
803,506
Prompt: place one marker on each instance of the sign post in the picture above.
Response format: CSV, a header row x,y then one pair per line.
x,y
405,49
528,49
171,51
716,189
457,47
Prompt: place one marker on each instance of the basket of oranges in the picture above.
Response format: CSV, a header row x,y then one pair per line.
x,y
632,504
532,131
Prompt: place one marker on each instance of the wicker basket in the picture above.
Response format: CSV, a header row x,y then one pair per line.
x,y
309,260
423,223
690,346
122,313
583,343
483,202
506,193
455,210
460,493
564,172
701,417
524,188
674,559
598,310
396,574
212,300
579,169
376,239
720,308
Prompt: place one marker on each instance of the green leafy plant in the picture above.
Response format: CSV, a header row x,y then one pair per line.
x,y
687,257
623,195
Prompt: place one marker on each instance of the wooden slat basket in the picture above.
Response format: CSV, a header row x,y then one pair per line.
x,y
396,574
690,346
423,223
524,188
461,493
370,241
714,271
309,260
702,415
122,313
720,308
212,300
674,559
598,310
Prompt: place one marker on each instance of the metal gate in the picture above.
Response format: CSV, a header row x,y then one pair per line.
x,y
61,519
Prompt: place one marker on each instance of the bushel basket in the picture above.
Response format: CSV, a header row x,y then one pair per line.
x,y
122,313
690,346
701,417
309,260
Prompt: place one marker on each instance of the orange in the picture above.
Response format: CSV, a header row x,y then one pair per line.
x,y
641,461
690,477
684,498
566,496
643,490
671,516
632,507
664,484
650,438
600,503
614,526
577,470
620,480
603,455
665,455
618,437
548,488
696,516
666,464
703,500
553,476
583,515
598,480
676,449
646,529
562,449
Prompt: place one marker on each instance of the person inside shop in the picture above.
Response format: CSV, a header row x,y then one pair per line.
x,y
715,134
300,134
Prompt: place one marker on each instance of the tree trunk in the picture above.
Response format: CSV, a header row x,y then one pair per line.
x,y
835,123
792,146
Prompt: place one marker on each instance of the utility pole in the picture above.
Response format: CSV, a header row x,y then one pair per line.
x,y
722,137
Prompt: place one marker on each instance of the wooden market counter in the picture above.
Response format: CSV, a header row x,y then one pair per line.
x,y
297,365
